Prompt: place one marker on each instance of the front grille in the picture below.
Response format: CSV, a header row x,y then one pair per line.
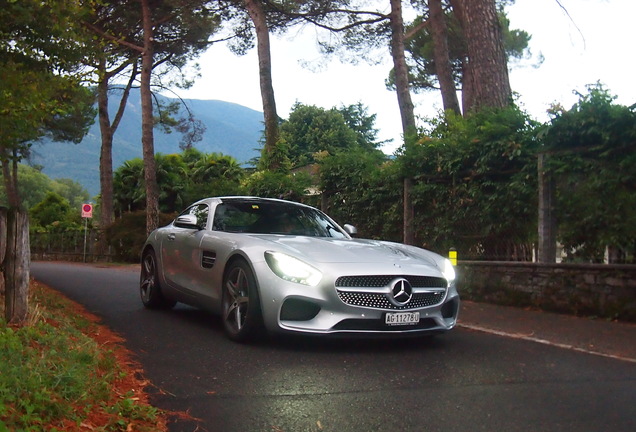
x,y
384,280
357,296
381,301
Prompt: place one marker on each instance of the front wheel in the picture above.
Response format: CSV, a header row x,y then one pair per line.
x,y
149,286
242,318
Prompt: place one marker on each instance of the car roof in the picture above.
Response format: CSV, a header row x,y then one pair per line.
x,y
246,198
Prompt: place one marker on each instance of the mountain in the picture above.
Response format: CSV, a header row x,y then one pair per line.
x,y
231,129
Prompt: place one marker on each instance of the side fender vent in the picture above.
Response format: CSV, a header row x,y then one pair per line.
x,y
208,259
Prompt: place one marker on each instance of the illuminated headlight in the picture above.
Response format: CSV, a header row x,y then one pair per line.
x,y
292,269
449,271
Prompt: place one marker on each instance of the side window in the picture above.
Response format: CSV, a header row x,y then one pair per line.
x,y
230,218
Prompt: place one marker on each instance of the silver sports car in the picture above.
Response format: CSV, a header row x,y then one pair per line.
x,y
279,266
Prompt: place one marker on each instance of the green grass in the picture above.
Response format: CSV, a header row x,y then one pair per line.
x,y
54,376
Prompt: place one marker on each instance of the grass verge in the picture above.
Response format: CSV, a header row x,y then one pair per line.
x,y
65,372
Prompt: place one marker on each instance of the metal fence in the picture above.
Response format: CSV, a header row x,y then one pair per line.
x,y
77,245
89,246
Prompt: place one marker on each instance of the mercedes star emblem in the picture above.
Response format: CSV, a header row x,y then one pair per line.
x,y
402,292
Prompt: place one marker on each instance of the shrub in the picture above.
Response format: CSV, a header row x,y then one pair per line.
x,y
127,234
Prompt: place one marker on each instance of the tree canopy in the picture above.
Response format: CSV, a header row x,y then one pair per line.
x,y
41,47
423,69
182,179
311,130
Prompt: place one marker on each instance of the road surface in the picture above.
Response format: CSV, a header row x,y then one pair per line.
x,y
462,381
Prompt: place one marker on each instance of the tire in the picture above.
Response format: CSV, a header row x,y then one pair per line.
x,y
149,286
241,309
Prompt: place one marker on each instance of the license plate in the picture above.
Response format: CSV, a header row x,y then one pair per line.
x,y
402,318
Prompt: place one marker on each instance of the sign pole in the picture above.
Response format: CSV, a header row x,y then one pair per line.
x,y
85,231
87,212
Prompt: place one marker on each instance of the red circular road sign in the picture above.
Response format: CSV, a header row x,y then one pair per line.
x,y
87,210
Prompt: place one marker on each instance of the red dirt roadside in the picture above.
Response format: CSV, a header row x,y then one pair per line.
x,y
130,381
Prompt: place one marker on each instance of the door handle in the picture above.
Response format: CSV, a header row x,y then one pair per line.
x,y
171,236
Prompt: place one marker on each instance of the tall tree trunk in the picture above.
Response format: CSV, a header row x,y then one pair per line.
x,y
405,104
10,176
14,241
106,153
147,137
468,94
443,69
107,131
16,267
487,62
3,245
258,17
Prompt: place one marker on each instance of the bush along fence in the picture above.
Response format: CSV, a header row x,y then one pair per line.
x,y
121,242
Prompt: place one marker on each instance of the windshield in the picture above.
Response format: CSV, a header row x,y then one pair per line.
x,y
272,217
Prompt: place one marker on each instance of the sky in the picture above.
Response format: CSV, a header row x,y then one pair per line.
x,y
591,42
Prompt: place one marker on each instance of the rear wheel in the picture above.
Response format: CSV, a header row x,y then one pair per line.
x,y
242,318
149,286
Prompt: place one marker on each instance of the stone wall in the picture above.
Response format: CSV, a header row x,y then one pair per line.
x,y
606,291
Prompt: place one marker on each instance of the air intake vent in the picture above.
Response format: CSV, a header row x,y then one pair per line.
x,y
208,259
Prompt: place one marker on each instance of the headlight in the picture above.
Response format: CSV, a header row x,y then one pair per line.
x,y
449,271
292,269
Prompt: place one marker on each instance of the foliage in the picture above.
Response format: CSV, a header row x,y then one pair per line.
x,y
129,187
44,32
172,180
54,376
54,213
422,70
357,117
41,45
475,184
36,103
181,31
593,155
213,174
182,178
363,189
128,233
277,157
311,129
72,191
268,184
34,186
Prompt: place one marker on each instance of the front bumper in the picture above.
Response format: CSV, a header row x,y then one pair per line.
x,y
326,309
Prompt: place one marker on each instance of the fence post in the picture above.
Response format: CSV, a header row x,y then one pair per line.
x,y
547,218
16,267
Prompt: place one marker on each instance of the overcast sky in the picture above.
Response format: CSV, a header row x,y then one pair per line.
x,y
594,43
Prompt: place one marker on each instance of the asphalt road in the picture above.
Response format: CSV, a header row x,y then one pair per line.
x,y
462,381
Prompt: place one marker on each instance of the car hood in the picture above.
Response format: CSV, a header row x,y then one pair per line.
x,y
330,250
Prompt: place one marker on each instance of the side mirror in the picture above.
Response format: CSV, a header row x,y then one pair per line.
x,y
187,221
350,229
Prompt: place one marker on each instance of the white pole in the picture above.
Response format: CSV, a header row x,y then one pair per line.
x,y
85,230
